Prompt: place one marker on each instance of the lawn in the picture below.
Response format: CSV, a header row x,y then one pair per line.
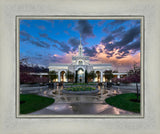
x,y
30,103
125,101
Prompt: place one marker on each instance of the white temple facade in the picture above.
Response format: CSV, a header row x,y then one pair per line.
x,y
80,63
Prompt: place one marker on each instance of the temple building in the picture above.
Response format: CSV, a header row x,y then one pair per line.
x,y
80,64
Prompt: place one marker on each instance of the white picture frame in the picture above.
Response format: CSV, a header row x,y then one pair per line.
x,y
9,123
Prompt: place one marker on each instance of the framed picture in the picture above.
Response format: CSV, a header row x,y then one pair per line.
x,y
82,63
56,44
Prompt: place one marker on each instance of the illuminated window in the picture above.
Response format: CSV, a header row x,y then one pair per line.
x,y
80,63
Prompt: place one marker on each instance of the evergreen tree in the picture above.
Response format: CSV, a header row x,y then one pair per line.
x,y
76,77
92,75
69,75
108,74
53,75
86,76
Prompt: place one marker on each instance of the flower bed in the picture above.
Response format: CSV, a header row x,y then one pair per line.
x,y
79,84
80,90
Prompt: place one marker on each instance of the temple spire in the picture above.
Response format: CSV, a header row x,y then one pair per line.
x,y
80,48
80,39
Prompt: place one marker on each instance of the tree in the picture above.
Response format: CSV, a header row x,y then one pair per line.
x,y
133,76
115,80
86,76
30,79
53,75
76,76
108,74
92,75
69,75
136,78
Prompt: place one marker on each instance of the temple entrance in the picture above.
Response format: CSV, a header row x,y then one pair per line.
x,y
81,75
63,76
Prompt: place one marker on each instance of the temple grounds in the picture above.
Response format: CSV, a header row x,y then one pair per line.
x,y
112,101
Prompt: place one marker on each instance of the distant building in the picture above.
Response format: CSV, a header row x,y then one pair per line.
x,y
80,63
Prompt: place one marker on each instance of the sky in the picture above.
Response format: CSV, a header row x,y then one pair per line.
x,y
117,42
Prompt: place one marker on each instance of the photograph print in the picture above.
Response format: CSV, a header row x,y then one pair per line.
x,y
80,66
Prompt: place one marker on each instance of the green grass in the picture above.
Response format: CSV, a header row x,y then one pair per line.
x,y
123,101
31,103
79,88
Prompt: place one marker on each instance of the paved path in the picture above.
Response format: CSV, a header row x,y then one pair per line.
x,y
81,104
82,108
73,104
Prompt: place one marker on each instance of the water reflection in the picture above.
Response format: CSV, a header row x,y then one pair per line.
x,y
80,108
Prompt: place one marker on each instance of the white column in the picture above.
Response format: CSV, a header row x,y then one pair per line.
x,y
59,77
101,76
65,77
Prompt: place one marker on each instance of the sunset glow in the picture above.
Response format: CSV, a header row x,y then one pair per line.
x,y
55,41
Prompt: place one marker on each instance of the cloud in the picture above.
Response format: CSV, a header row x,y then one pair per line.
x,y
69,25
122,55
40,43
67,58
41,27
90,51
45,44
54,45
100,23
85,29
45,59
66,32
107,39
39,55
119,57
43,35
114,25
55,58
118,22
35,41
109,54
62,46
127,38
74,42
25,36
120,60
118,30
134,46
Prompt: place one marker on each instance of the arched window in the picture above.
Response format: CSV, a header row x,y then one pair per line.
x,y
80,63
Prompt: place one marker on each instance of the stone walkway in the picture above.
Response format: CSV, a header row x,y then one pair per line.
x,y
81,108
80,104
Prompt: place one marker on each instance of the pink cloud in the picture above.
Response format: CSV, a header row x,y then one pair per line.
x,y
122,65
